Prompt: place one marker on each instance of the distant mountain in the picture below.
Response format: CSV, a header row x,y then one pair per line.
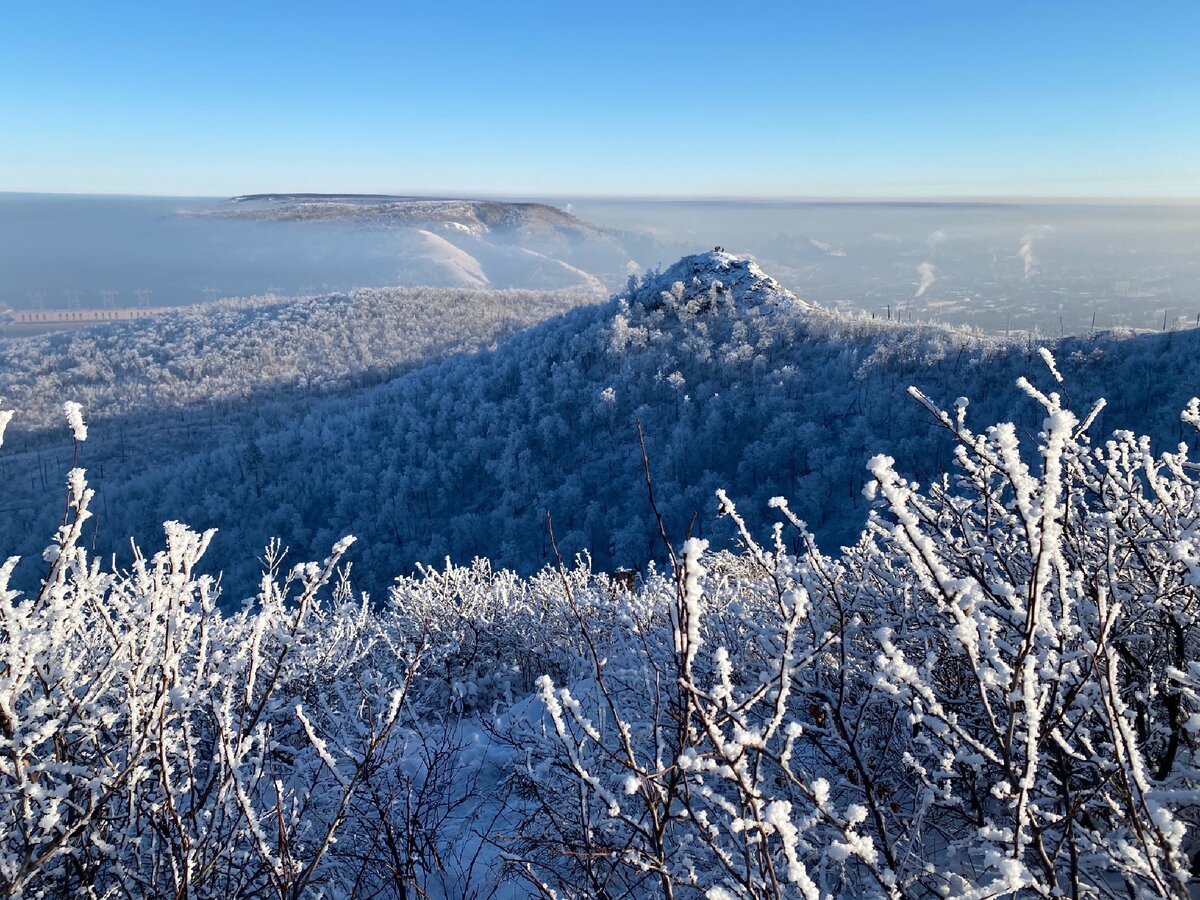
x,y
467,243
475,216
736,382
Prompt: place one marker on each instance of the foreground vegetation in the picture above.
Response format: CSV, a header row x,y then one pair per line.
x,y
994,692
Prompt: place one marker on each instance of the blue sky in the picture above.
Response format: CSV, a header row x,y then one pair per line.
x,y
585,98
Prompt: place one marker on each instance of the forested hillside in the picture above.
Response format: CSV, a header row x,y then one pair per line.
x,y
737,384
225,352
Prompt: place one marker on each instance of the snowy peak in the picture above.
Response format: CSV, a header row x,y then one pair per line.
x,y
705,280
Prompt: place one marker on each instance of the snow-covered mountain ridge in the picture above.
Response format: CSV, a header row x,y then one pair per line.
x,y
222,352
738,385
462,242
475,216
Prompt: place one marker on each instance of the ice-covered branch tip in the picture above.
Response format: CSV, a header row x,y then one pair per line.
x,y
1048,359
1191,415
5,417
74,413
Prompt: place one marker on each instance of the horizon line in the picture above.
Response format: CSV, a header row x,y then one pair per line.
x,y
765,199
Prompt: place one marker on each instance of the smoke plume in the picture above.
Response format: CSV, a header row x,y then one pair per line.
x,y
1027,256
928,274
1026,249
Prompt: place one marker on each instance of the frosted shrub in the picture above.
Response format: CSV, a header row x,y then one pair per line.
x,y
728,745
1036,626
993,693
489,634
150,745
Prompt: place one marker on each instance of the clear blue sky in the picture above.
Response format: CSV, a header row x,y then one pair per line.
x,y
602,98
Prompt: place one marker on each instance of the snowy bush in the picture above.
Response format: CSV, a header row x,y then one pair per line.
x,y
992,693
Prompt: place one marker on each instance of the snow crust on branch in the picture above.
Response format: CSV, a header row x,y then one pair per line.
x,y
74,413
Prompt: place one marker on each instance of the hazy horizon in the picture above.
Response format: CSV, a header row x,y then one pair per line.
x,y
1056,267
765,200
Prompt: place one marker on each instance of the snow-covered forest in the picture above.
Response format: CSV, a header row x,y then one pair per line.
x,y
992,692
426,450
221,354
